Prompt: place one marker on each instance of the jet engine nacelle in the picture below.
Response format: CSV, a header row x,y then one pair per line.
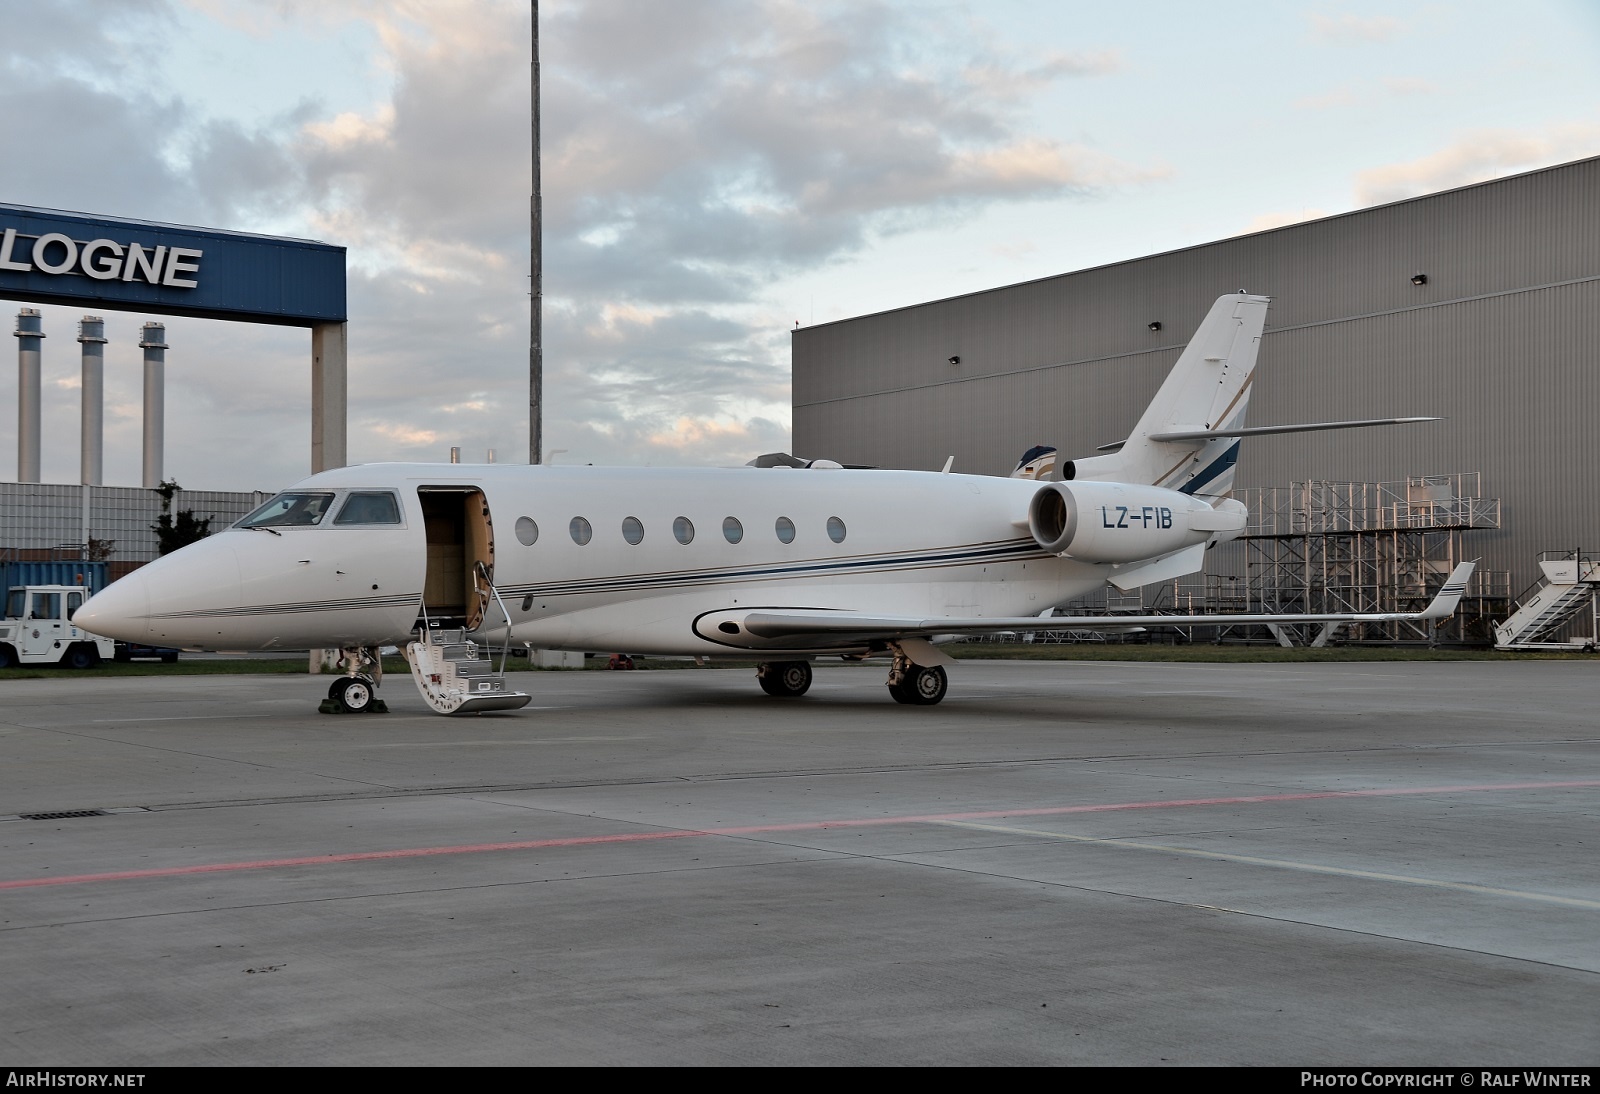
x,y
1125,522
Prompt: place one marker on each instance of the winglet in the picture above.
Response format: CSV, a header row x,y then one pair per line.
x,y
1455,585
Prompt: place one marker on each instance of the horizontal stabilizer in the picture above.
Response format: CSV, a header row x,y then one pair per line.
x,y
1267,430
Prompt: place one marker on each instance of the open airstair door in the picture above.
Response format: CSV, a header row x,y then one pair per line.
x,y
458,598
460,533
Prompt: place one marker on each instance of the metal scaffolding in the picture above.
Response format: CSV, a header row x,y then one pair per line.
x,y
1321,546
1324,546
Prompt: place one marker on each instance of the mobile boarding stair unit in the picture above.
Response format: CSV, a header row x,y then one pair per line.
x,y
1570,583
450,670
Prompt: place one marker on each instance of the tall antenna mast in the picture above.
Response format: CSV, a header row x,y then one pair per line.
x,y
536,278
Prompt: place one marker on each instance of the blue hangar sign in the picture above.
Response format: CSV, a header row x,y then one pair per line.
x,y
53,257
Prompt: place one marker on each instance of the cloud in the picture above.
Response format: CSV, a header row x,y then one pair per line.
x,y
353,129
1476,157
1353,30
694,155
1011,81
1352,95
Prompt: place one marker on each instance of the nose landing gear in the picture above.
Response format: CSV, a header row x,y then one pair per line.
x,y
356,691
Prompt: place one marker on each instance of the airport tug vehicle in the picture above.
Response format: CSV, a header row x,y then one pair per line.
x,y
38,629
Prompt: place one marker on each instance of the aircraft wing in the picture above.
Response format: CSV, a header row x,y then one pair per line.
x,y
811,627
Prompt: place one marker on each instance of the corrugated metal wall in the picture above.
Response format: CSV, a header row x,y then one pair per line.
x,y
1504,340
39,515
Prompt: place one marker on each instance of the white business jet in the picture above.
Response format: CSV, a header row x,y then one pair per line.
x,y
781,564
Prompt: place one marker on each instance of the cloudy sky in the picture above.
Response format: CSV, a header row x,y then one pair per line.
x,y
714,172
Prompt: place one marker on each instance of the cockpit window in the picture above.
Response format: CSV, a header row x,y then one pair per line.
x,y
364,507
289,511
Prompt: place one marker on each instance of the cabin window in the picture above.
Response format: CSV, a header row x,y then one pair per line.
x,y
836,529
46,606
292,510
527,531
580,531
683,530
785,529
633,530
363,507
732,530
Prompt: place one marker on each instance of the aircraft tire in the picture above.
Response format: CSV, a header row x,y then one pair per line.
x,y
921,687
355,695
785,679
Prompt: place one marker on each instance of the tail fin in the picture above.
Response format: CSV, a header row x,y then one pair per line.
x,y
1208,389
1036,463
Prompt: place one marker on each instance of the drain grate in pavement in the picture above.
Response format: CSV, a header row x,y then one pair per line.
x,y
64,814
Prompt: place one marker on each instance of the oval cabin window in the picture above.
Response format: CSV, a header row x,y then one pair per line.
x,y
732,530
580,530
683,530
633,530
836,529
527,531
785,529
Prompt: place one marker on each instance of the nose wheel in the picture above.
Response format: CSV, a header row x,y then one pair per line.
x,y
357,691
353,694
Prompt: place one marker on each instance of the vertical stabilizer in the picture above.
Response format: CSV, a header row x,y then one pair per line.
x,y
1209,388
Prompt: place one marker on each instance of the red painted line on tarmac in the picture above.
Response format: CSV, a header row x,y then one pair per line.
x,y
767,829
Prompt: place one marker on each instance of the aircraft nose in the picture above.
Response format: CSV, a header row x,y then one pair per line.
x,y
121,610
172,601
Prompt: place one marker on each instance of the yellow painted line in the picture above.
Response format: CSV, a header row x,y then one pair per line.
x,y
1285,864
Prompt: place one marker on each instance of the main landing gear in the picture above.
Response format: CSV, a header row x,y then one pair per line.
x,y
909,683
916,685
357,691
784,679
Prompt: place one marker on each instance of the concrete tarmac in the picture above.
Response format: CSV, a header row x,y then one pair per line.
x,y
1064,863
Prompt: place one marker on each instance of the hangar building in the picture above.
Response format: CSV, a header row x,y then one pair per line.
x,y
1480,304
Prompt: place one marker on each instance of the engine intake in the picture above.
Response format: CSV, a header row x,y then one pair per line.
x,y
1124,522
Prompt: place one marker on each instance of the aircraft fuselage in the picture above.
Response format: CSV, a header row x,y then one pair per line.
x,y
595,558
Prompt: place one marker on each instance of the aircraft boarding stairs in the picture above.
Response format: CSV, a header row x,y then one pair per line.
x,y
452,675
1569,584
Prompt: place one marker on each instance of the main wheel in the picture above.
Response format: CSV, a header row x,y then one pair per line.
x,y
785,679
354,694
81,657
920,686
8,659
